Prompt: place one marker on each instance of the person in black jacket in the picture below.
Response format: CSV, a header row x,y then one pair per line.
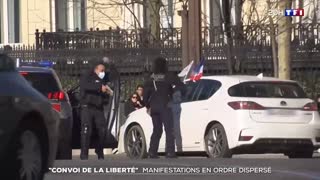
x,y
93,92
158,90
133,104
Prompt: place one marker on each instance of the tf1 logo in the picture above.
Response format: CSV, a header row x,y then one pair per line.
x,y
294,12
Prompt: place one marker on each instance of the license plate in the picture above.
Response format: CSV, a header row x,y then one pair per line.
x,y
282,112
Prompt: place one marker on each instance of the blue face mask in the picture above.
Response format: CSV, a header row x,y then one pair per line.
x,y
101,75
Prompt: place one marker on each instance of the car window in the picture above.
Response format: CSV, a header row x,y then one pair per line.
x,y
190,91
43,82
206,89
267,90
6,64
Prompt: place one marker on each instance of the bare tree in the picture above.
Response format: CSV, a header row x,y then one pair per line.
x,y
153,18
151,10
114,5
280,37
227,9
284,42
273,42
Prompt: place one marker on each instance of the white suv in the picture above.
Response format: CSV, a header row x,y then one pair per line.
x,y
225,115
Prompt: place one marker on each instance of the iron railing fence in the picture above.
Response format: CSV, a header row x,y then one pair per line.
x,y
251,52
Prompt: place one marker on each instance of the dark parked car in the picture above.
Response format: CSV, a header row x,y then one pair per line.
x,y
28,126
46,81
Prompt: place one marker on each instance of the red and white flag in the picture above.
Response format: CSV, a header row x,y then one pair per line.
x,y
197,72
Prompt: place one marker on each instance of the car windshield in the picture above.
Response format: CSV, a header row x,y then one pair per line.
x,y
268,90
43,82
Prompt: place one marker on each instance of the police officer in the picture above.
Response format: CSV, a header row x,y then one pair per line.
x,y
158,93
93,90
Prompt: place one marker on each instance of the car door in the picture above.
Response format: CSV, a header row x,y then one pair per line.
x,y
112,114
74,96
195,112
186,110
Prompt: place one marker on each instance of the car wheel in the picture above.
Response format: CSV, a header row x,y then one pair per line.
x,y
301,154
26,156
216,142
135,143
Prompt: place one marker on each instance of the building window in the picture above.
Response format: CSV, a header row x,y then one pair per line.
x,y
13,15
69,15
16,21
79,7
13,21
10,21
83,15
61,15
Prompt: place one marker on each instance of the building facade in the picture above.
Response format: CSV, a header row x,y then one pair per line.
x,y
20,18
10,22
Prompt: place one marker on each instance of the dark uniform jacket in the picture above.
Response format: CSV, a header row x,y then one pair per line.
x,y
90,90
158,90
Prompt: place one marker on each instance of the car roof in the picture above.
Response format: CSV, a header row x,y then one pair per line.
x,y
235,79
35,69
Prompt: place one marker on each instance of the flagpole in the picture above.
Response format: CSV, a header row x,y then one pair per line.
x,y
185,77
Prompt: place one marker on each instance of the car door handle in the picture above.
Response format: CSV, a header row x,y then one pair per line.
x,y
204,109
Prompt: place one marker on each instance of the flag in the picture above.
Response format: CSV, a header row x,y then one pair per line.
x,y
197,71
260,76
186,70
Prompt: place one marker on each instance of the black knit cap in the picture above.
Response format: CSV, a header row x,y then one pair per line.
x,y
159,65
96,63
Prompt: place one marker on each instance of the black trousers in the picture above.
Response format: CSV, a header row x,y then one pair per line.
x,y
92,116
160,119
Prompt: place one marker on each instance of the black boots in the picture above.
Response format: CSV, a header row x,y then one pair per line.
x,y
85,141
100,157
168,155
84,154
100,154
153,156
171,155
84,148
